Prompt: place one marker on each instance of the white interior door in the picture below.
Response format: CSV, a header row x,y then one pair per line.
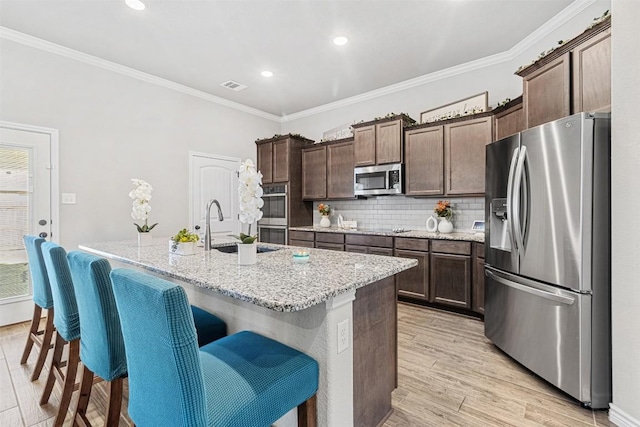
x,y
25,208
214,177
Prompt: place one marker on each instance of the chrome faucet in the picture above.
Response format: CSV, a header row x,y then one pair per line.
x,y
207,231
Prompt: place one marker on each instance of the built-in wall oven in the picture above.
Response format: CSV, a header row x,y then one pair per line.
x,y
272,228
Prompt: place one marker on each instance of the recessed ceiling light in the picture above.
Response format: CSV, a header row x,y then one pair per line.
x,y
267,73
136,4
340,41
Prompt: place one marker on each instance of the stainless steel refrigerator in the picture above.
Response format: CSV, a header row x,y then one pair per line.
x,y
547,253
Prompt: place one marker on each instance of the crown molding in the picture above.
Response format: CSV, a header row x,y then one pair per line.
x,y
521,47
27,40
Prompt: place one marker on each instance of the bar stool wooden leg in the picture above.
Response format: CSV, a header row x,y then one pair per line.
x,y
80,414
33,331
307,412
115,402
46,344
54,368
69,382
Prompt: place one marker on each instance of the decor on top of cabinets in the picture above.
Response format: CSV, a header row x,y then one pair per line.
x,y
141,196
183,243
463,107
445,213
250,197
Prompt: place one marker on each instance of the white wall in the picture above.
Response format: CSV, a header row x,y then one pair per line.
x,y
625,228
499,80
114,128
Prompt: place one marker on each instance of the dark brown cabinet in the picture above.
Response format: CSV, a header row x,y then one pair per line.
x,y
302,238
364,145
413,283
464,155
508,119
381,141
424,161
340,164
332,241
279,158
450,279
575,77
547,92
314,173
478,279
369,244
281,161
591,74
265,162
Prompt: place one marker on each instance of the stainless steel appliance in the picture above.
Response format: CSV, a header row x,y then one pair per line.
x,y
378,180
272,228
547,253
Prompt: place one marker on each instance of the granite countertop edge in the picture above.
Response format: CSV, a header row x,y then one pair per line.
x,y
419,234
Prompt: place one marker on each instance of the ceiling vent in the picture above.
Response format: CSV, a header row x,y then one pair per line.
x,y
230,84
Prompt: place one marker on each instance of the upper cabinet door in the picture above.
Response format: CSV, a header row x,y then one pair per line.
x,y
591,63
265,162
464,144
424,161
389,142
314,173
281,161
365,145
547,92
340,163
509,122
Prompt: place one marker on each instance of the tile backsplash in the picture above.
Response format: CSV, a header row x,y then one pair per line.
x,y
387,212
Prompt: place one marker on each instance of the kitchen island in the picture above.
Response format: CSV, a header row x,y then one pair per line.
x,y
301,305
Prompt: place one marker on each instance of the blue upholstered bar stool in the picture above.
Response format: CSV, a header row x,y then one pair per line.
x,y
67,323
42,299
102,348
101,344
239,381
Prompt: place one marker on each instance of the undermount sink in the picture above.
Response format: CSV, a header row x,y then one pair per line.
x,y
234,248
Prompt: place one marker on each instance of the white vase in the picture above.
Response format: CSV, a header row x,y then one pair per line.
x,y
325,222
445,226
247,253
145,239
432,224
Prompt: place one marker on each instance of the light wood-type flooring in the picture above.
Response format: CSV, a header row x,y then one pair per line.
x,y
449,374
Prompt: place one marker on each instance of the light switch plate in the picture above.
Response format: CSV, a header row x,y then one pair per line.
x,y
68,198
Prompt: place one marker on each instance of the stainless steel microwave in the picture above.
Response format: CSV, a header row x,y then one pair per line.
x,y
378,180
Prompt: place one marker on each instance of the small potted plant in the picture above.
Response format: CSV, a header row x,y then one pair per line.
x,y
324,210
141,196
445,213
183,243
250,197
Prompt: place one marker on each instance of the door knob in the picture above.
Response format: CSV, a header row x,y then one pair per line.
x,y
42,222
43,235
197,227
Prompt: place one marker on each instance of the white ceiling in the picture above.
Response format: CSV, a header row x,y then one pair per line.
x,y
202,43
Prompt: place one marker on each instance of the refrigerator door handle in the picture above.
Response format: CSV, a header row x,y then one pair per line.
x,y
518,176
512,170
534,291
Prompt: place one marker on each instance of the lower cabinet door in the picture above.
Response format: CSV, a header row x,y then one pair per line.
x,y
414,282
303,243
450,282
330,246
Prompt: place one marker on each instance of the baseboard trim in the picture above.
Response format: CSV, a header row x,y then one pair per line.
x,y
621,418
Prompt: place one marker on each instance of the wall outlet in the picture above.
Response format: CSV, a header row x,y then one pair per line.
x,y
343,335
68,198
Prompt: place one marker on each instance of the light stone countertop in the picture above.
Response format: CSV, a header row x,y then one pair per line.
x,y
274,282
468,236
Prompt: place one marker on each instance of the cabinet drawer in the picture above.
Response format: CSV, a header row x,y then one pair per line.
x,y
356,249
450,247
302,243
412,244
380,251
480,250
301,235
330,246
330,237
366,240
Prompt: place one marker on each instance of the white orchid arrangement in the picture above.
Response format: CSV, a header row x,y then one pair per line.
x,y
249,197
141,196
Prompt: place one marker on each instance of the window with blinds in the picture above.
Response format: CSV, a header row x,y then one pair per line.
x,y
14,220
